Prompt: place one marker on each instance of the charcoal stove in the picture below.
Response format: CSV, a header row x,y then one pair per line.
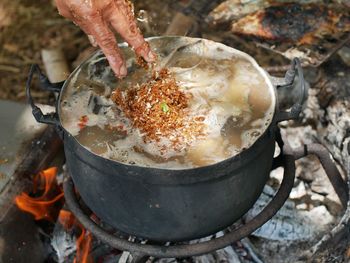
x,y
141,250
169,247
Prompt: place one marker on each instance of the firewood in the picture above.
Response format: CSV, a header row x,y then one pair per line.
x,y
55,64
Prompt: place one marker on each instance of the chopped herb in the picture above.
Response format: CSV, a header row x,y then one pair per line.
x,y
165,107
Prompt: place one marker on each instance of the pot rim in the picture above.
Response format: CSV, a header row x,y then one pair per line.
x,y
241,156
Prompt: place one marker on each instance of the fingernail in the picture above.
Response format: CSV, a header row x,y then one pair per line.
x,y
123,71
92,40
151,56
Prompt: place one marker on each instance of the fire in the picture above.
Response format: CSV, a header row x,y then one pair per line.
x,y
47,200
66,219
41,207
83,242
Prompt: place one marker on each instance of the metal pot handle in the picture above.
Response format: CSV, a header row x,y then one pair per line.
x,y
45,84
287,81
340,186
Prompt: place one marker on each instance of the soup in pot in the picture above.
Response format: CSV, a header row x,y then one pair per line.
x,y
201,104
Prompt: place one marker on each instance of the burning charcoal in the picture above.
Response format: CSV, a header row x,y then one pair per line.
x,y
45,203
310,30
292,22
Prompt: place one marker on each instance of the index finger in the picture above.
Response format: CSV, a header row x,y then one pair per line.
x,y
123,21
99,29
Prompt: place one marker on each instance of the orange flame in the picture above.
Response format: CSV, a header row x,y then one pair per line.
x,y
83,247
41,207
83,242
66,219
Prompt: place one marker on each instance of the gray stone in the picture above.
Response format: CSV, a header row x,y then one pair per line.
x,y
18,128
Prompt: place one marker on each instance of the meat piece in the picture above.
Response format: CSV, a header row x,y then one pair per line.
x,y
201,154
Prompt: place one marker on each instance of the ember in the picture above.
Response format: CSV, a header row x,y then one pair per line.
x,y
293,22
159,109
46,205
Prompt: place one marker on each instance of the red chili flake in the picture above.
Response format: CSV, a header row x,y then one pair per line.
x,y
142,62
83,121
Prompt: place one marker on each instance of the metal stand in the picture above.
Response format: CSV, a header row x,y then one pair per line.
x,y
141,252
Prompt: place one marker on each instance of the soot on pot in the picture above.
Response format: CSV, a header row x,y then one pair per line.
x,y
206,106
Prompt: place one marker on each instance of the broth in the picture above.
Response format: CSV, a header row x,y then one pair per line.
x,y
226,90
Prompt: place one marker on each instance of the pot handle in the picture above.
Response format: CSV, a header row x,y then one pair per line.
x,y
340,185
294,111
45,84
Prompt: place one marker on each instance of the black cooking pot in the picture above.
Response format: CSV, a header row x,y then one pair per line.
x,y
163,204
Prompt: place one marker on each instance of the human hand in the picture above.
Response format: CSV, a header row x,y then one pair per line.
x,y
97,18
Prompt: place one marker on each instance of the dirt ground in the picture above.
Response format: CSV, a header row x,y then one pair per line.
x,y
28,26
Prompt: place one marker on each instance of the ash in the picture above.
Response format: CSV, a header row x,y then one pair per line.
x,y
64,243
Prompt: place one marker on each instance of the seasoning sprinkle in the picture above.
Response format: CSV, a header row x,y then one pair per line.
x,y
146,104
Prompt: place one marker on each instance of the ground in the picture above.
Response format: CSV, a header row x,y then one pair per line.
x,y
28,26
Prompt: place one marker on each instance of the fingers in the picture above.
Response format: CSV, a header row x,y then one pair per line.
x,y
95,17
92,40
63,9
123,21
104,37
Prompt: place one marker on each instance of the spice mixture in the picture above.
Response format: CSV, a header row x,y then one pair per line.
x,y
159,109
